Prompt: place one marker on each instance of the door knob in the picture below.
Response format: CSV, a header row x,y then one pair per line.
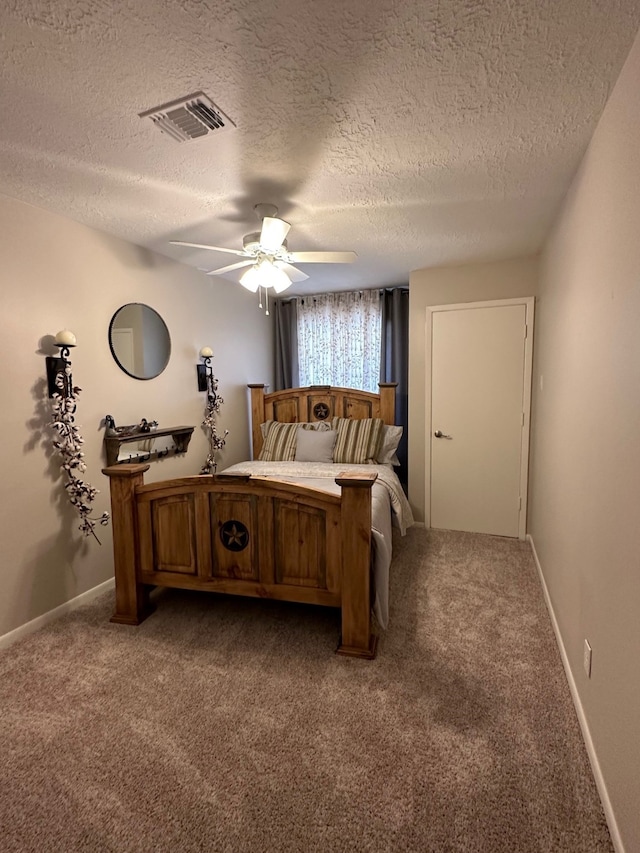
x,y
439,434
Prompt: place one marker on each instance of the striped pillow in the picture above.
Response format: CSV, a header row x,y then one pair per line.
x,y
358,439
279,443
280,440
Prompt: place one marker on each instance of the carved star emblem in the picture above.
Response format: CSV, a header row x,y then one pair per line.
x,y
321,411
234,535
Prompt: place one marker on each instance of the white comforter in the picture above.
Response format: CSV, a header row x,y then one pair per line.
x,y
387,498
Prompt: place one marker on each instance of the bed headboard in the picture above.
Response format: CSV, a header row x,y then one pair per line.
x,y
318,403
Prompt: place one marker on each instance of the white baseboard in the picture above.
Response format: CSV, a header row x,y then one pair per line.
x,y
51,615
584,726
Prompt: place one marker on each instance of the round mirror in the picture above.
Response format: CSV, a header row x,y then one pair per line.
x,y
139,340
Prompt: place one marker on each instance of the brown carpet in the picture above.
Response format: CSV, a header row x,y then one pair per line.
x,y
227,724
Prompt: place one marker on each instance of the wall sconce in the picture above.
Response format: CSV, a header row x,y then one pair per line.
x,y
56,365
206,354
208,382
68,441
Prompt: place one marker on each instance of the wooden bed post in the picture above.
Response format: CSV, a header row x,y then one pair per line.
x,y
357,639
257,417
388,401
132,597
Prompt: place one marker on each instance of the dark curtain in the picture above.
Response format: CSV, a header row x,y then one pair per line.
x,y
394,362
287,372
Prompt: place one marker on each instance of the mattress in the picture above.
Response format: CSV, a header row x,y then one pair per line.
x,y
389,506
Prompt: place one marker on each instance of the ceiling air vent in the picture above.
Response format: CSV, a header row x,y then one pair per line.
x,y
189,118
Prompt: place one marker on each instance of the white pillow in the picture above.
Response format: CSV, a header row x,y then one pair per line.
x,y
315,445
391,436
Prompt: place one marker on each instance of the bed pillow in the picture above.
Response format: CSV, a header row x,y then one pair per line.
x,y
358,439
280,440
315,445
318,425
391,436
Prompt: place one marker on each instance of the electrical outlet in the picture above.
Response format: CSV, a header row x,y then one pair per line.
x,y
586,658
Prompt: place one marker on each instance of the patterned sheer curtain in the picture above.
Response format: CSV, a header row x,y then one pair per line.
x,y
339,339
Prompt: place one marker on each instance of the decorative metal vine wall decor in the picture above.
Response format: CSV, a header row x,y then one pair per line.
x,y
207,382
64,395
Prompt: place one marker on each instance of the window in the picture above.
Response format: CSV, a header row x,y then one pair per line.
x,y
339,339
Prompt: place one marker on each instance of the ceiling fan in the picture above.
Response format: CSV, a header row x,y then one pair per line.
x,y
266,254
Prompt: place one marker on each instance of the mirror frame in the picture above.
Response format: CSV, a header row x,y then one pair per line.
x,y
113,352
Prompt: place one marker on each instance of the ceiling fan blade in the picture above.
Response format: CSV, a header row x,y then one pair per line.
x,y
293,273
212,248
273,233
237,266
322,257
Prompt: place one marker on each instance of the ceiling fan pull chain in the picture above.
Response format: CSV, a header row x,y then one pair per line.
x,y
266,300
259,297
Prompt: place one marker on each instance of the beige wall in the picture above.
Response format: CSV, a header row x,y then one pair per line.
x,y
448,286
56,274
584,506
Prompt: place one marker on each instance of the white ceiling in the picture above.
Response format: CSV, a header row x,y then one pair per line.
x,y
414,133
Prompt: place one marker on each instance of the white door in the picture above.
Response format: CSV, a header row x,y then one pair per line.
x,y
122,343
480,397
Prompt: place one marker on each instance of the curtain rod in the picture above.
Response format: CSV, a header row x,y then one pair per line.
x,y
336,292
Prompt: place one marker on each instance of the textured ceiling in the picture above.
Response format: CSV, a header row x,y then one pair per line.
x,y
414,133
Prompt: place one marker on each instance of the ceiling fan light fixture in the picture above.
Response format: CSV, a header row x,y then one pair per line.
x,y
265,274
273,277
282,285
251,279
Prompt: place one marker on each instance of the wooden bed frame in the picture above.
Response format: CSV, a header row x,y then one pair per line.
x,y
254,536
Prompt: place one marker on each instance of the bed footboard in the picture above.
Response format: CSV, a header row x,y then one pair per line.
x,y
245,536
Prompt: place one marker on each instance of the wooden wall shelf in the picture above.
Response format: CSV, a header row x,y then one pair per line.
x,y
181,436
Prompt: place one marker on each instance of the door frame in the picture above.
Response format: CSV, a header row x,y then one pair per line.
x,y
529,304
